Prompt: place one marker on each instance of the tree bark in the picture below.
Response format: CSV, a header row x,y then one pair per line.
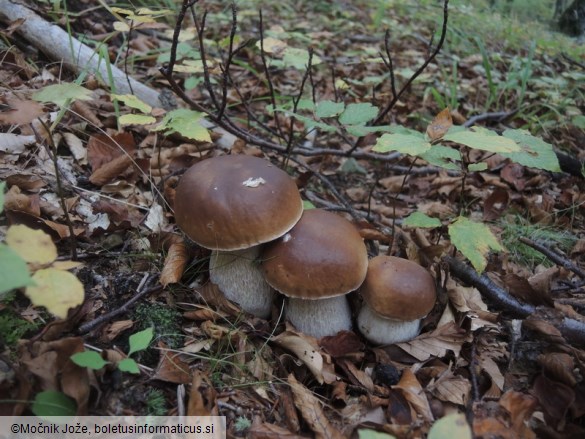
x,y
572,20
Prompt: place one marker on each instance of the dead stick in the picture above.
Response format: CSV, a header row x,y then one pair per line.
x,y
89,326
554,256
571,328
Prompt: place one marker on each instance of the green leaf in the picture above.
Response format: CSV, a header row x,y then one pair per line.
x,y
133,102
442,156
329,108
309,123
52,403
373,434
89,359
452,426
307,205
358,114
298,58
579,121
419,219
128,365
185,122
403,143
477,167
481,138
13,270
474,240
61,94
351,166
140,340
534,153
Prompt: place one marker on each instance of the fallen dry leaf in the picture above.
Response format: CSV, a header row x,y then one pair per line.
x,y
311,410
436,343
307,350
414,394
175,262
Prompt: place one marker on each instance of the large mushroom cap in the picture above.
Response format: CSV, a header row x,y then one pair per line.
x,y
322,256
235,202
398,289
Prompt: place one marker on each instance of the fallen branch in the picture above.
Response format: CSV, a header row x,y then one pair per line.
x,y
571,328
498,116
554,256
59,45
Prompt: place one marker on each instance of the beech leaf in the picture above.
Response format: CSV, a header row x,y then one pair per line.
x,y
56,290
474,240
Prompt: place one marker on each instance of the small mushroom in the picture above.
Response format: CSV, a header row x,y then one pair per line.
x,y
315,264
397,294
232,204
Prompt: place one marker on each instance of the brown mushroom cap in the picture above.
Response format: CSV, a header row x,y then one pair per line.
x,y
322,256
398,289
235,202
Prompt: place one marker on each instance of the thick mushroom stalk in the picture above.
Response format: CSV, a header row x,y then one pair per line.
x,y
382,330
231,205
319,318
239,278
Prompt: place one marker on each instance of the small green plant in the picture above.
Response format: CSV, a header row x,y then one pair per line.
x,y
524,254
13,328
242,424
138,342
156,404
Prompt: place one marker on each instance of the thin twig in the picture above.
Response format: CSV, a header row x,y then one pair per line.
x,y
104,318
226,68
355,215
267,74
415,75
498,116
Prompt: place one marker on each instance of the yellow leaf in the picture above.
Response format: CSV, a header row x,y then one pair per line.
x,y
136,119
34,246
66,265
56,290
120,26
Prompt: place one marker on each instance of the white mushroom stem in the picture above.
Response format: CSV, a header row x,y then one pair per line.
x,y
382,330
238,276
319,318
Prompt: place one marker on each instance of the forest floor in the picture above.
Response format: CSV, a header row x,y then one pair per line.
x,y
482,363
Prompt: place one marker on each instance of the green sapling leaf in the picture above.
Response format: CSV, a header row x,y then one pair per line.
x,y
185,122
61,94
484,139
474,240
53,403
128,365
13,270
534,153
403,143
89,359
358,114
329,109
140,340
419,219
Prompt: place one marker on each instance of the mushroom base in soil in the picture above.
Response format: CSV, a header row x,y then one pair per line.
x,y
237,274
319,318
382,330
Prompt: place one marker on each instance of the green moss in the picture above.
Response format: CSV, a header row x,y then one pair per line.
x,y
156,405
13,328
165,321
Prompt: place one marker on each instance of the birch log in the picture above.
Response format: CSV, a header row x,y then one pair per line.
x,y
56,44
